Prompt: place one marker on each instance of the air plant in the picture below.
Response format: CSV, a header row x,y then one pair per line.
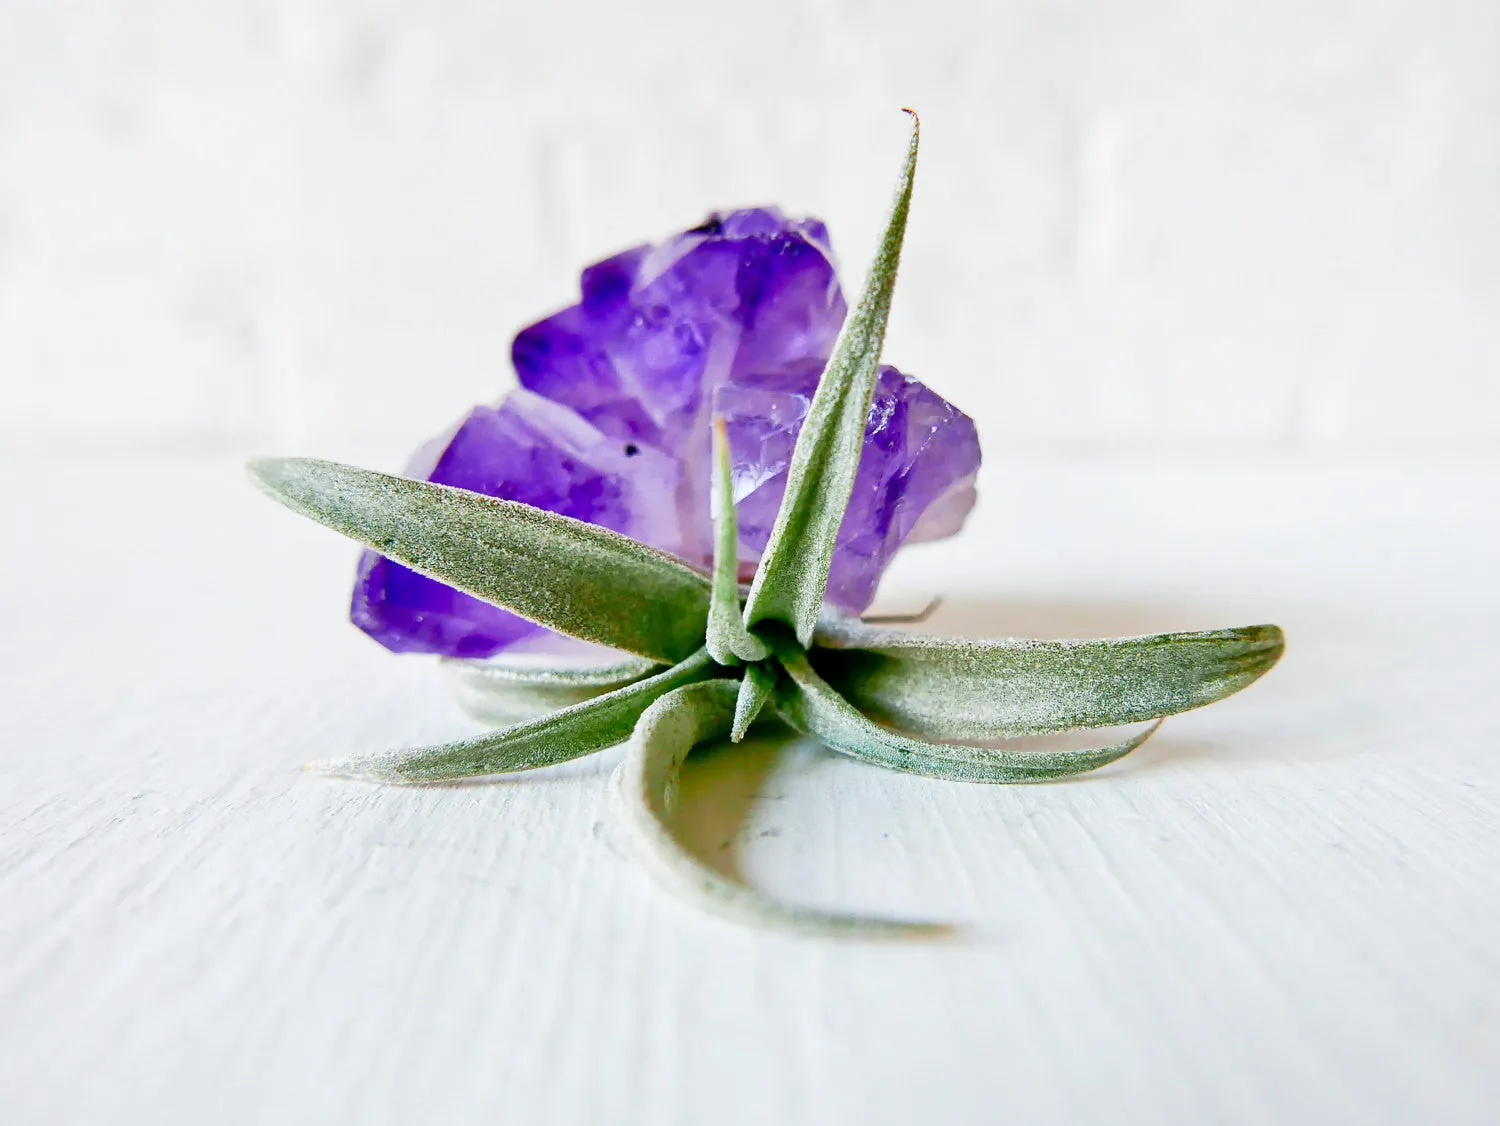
x,y
702,657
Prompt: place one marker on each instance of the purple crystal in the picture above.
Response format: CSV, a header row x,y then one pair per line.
x,y
660,327
736,316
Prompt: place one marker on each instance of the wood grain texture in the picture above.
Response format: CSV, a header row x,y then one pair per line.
x,y
1282,909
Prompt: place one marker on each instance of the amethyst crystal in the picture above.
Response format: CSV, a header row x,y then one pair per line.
x,y
735,317
660,327
915,479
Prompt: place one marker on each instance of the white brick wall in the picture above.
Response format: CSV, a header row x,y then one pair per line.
x,y
286,222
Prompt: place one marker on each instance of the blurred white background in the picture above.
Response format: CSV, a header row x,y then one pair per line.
x,y
1214,226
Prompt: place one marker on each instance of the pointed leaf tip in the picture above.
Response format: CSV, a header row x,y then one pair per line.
x,y
755,691
793,572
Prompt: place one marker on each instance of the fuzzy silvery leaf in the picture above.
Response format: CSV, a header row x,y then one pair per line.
x,y
576,578
728,639
506,690
756,687
793,572
648,779
811,706
567,734
955,688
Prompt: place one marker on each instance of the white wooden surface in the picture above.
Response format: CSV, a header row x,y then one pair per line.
x,y
1285,909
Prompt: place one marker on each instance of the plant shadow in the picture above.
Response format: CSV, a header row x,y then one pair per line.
x,y
718,788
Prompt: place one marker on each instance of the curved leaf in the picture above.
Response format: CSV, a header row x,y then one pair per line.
x,y
568,734
665,735
507,691
953,688
807,702
576,578
793,571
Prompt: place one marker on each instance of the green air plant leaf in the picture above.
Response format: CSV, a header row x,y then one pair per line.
x,y
509,691
806,702
568,734
793,572
756,689
665,735
728,639
576,578
951,688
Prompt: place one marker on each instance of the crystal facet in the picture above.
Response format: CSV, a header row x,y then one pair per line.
x,y
736,317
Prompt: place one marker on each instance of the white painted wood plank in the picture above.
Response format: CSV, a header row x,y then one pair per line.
x,y
1283,909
